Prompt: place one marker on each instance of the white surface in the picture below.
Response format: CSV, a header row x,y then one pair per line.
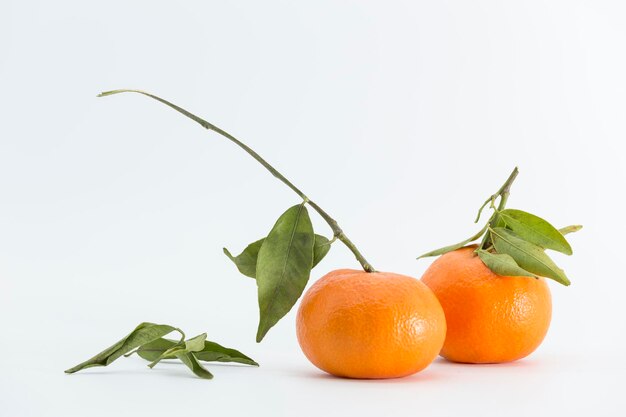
x,y
559,384
399,118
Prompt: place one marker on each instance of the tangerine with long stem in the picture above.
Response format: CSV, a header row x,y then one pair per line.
x,y
497,304
359,324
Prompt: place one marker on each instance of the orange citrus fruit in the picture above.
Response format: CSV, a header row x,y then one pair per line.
x,y
490,318
370,325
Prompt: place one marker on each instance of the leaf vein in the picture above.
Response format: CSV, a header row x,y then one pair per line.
x,y
522,250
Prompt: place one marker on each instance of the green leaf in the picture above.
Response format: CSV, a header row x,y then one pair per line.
x,y
570,229
283,266
503,264
320,249
192,363
194,344
535,230
527,255
246,260
144,333
454,247
214,352
153,350
211,352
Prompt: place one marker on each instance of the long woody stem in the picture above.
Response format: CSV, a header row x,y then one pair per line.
x,y
337,231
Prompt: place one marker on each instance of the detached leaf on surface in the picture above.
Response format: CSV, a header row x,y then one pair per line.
x,y
195,344
144,333
192,363
503,264
211,352
283,266
535,230
246,260
527,255
148,342
153,350
214,352
188,346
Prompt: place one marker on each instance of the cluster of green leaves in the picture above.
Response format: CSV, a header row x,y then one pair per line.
x,y
147,340
281,263
514,244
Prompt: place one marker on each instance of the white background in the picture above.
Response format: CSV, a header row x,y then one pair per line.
x,y
399,118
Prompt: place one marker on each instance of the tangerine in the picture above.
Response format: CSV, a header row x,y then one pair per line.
x,y
370,325
490,318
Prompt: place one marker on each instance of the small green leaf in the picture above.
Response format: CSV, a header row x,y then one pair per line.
x,y
144,333
192,363
527,255
535,230
570,229
194,344
503,264
214,352
246,260
454,247
171,352
283,266
211,352
320,249
153,350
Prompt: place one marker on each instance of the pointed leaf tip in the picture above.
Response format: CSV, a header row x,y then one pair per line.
x,y
142,334
211,352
